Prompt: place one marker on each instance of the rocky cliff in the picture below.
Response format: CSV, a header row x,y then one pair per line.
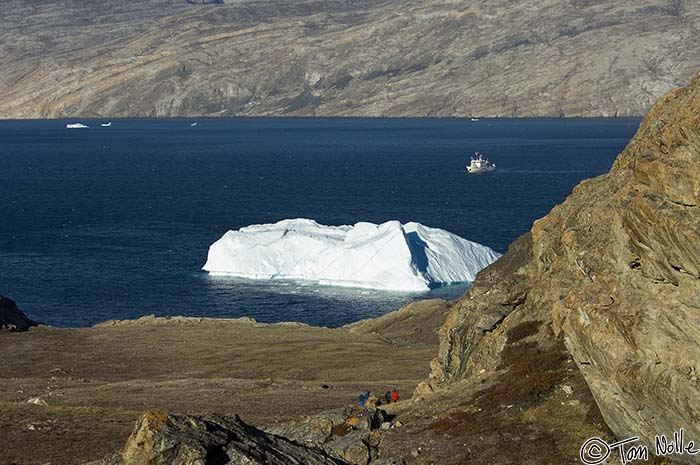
x,y
61,58
613,275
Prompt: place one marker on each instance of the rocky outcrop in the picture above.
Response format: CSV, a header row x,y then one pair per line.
x,y
352,58
613,273
349,436
161,439
352,434
11,318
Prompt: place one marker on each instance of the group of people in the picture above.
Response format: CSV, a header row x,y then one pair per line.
x,y
366,399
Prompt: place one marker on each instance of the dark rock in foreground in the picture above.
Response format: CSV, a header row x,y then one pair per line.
x,y
161,439
11,318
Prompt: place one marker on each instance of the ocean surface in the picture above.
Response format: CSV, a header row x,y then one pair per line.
x,y
113,223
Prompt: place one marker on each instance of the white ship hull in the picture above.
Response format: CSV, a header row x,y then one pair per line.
x,y
475,170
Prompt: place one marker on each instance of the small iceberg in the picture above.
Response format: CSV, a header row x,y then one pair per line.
x,y
76,126
106,125
387,256
194,124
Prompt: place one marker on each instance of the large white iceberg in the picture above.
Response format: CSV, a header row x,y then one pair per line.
x,y
391,256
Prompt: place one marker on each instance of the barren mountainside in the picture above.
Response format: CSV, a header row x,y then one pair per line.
x,y
61,58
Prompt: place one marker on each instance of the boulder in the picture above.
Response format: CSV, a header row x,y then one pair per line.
x,y
351,434
313,431
353,448
11,318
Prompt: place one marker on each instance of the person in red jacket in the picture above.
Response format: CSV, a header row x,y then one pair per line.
x,y
394,395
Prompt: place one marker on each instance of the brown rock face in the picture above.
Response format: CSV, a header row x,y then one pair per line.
x,y
615,273
61,58
11,318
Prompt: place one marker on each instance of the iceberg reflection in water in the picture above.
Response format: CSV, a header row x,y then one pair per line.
x,y
304,301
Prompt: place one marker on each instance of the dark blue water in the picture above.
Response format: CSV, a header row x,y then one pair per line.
x,y
116,223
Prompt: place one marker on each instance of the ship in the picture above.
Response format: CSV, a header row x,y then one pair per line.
x,y
479,164
76,126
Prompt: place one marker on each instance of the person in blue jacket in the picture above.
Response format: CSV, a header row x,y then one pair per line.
x,y
363,398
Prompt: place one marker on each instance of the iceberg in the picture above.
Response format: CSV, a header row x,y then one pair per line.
x,y
387,256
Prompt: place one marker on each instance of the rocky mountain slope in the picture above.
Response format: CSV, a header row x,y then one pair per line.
x,y
613,275
62,58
